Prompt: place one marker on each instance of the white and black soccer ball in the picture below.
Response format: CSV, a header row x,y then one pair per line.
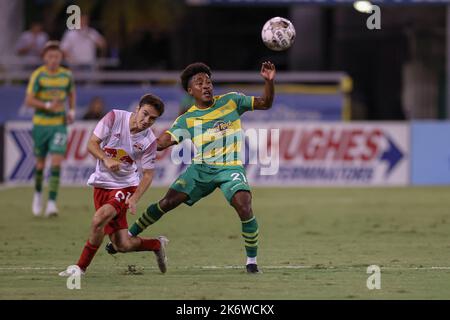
x,y
278,34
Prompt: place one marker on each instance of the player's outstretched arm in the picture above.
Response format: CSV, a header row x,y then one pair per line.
x,y
146,181
97,152
165,140
268,74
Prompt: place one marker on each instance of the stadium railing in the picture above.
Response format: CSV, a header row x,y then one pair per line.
x,y
8,76
11,66
304,84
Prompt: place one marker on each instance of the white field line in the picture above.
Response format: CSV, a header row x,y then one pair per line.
x,y
7,187
27,268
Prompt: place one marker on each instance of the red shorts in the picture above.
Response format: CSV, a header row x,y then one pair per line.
x,y
116,198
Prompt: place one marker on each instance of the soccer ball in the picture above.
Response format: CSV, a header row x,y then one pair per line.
x,y
278,34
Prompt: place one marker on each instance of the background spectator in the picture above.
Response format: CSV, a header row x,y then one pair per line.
x,y
96,109
32,41
80,46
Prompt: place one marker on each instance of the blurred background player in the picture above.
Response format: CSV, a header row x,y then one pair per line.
x,y
48,89
206,123
120,140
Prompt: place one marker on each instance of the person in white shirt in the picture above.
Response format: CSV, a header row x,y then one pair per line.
x,y
122,140
80,46
31,44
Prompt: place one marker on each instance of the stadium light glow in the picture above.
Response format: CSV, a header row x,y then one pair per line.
x,y
363,6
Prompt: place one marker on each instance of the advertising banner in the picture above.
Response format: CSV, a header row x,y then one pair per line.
x,y
274,154
329,154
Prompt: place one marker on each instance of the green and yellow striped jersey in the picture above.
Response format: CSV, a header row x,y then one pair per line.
x,y
215,131
47,86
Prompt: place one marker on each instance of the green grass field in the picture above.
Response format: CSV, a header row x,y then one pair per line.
x,y
315,243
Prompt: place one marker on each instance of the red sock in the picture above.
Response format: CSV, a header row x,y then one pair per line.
x,y
149,245
87,255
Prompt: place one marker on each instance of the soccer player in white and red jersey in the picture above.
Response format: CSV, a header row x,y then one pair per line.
x,y
121,141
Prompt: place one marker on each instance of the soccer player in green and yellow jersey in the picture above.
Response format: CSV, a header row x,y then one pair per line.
x,y
214,126
48,89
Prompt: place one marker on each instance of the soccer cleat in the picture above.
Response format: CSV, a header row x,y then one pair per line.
x,y
110,248
51,210
71,270
37,204
161,256
252,268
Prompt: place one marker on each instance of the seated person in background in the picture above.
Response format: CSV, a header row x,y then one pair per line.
x,y
96,109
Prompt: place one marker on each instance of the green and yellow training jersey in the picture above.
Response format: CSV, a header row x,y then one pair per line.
x,y
47,86
215,131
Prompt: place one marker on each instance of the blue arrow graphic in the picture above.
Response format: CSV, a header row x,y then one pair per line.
x,y
392,155
24,168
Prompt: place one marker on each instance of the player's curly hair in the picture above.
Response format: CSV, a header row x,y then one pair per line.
x,y
191,70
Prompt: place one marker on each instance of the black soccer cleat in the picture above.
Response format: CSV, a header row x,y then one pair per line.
x,y
110,249
252,268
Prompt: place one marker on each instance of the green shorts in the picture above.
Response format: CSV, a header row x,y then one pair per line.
x,y
49,139
199,180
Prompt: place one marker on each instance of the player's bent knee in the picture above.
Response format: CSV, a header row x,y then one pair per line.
x,y
57,159
172,199
168,204
242,203
97,225
56,163
40,165
123,246
245,212
101,218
